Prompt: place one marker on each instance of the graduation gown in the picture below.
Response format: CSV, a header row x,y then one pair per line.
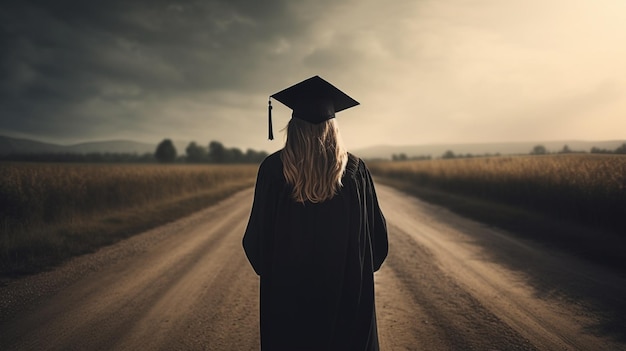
x,y
316,262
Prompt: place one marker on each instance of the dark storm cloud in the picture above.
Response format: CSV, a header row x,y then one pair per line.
x,y
202,70
59,57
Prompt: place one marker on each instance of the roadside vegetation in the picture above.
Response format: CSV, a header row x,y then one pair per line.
x,y
573,201
52,211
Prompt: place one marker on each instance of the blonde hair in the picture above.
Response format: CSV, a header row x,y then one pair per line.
x,y
314,160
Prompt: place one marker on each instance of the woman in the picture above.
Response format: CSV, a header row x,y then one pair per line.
x,y
316,234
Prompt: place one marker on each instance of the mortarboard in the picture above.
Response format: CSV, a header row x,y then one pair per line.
x,y
313,100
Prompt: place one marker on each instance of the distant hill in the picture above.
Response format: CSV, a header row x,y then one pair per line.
x,y
24,146
436,150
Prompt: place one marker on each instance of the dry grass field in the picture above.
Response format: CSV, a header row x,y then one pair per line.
x,y
581,190
49,212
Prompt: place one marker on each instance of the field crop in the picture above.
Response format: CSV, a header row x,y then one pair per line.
x,y
579,188
49,212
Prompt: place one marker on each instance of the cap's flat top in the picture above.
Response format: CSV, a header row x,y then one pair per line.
x,y
314,90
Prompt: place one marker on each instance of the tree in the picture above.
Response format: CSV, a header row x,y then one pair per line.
x,y
621,149
253,156
196,153
217,152
165,152
448,154
399,157
565,150
539,150
235,155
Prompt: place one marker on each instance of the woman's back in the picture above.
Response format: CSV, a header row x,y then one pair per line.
x,y
316,262
316,234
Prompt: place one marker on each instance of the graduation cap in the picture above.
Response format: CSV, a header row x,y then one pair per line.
x,y
313,100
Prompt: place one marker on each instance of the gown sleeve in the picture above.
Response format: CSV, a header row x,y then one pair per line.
x,y
377,224
260,222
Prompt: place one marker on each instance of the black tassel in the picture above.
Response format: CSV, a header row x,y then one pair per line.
x,y
269,118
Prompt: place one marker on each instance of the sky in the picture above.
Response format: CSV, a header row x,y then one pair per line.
x,y
424,72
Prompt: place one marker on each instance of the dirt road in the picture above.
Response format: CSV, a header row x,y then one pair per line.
x,y
448,284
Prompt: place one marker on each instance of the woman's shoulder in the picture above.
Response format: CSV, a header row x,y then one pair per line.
x,y
354,158
272,164
355,165
359,161
273,158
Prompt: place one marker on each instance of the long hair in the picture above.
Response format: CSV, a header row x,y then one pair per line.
x,y
314,160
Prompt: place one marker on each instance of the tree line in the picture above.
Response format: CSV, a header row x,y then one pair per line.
x,y
214,152
536,150
542,150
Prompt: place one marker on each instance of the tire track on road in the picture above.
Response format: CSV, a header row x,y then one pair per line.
x,y
444,316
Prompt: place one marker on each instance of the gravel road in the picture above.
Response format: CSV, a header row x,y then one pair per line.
x,y
448,284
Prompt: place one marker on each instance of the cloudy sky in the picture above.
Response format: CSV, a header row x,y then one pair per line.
x,y
429,71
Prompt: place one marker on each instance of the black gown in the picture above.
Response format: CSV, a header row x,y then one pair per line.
x,y
316,262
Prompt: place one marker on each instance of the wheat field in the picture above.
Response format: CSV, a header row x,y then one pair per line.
x,y
579,187
49,212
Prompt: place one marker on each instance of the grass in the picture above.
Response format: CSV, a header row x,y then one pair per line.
x,y
51,212
574,202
